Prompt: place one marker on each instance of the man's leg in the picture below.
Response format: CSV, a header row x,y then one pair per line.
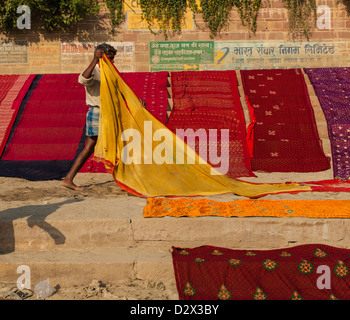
x,y
79,162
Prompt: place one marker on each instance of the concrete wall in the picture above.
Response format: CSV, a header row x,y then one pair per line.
x,y
26,51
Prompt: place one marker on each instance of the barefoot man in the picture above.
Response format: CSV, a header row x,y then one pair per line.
x,y
90,78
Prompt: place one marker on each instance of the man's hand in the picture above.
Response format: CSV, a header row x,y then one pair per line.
x,y
97,55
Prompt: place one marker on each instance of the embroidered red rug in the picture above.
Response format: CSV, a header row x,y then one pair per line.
x,y
206,107
282,135
305,272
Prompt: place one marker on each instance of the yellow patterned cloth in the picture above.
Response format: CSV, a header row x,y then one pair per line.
x,y
147,141
160,207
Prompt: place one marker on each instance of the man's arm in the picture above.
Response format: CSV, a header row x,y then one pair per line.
x,y
88,72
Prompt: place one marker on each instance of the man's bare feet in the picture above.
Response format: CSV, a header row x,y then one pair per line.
x,y
71,185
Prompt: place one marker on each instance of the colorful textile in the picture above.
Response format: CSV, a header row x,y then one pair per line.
x,y
47,133
12,91
151,87
206,102
146,159
283,134
215,273
161,207
51,124
332,87
49,129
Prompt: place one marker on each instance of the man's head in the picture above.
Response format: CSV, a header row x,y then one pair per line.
x,y
109,50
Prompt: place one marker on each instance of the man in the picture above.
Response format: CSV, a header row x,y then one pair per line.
x,y
90,78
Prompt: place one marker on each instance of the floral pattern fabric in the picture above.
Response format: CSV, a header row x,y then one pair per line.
x,y
281,274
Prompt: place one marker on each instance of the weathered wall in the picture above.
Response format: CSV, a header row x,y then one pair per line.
x,y
140,50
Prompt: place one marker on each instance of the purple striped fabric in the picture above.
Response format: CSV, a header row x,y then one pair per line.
x,y
332,87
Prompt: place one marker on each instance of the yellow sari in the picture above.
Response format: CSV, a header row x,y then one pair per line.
x,y
148,160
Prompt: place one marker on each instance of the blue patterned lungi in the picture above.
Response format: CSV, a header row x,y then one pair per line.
x,y
92,120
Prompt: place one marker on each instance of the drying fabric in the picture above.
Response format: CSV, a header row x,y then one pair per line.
x,y
283,135
152,88
147,159
12,91
51,124
209,89
209,101
216,273
332,87
161,207
48,130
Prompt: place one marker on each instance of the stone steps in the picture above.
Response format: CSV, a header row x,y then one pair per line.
x,y
70,268
72,245
82,229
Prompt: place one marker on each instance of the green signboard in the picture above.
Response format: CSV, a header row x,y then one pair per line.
x,y
181,53
175,67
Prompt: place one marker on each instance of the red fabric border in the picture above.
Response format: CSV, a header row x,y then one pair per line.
x,y
250,129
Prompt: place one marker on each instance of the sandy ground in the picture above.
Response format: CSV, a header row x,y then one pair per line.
x,y
102,185
15,192
96,290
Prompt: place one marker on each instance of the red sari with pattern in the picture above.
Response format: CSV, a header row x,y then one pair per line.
x,y
209,101
283,135
306,272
